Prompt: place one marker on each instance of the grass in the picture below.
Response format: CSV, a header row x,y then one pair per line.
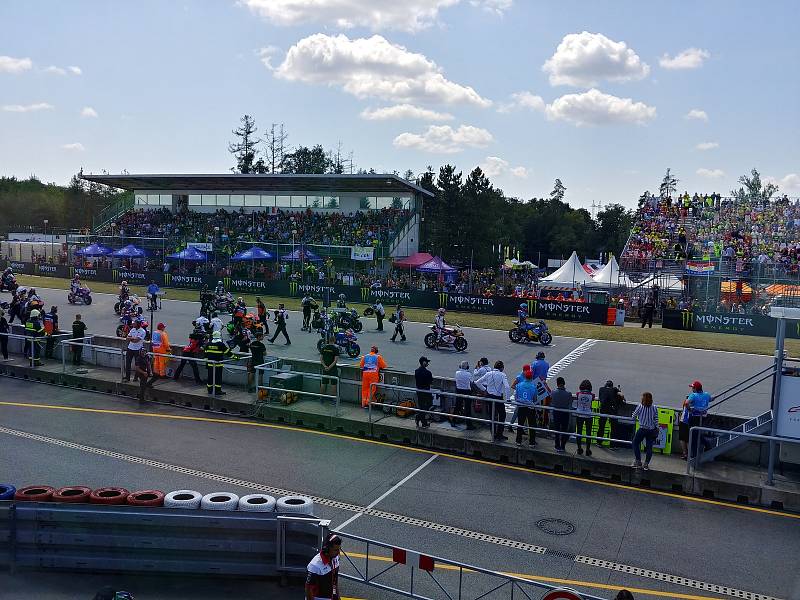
x,y
656,336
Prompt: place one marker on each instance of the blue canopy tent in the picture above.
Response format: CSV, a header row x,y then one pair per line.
x,y
301,255
94,250
253,254
129,251
189,254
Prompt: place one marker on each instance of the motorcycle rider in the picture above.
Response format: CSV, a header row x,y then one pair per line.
x,y
75,285
152,295
440,325
8,280
522,316
219,291
124,291
306,303
342,301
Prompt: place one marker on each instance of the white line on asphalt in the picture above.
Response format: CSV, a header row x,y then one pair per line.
x,y
394,517
570,358
389,491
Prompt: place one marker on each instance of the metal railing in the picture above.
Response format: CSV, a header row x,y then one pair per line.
x,y
93,351
268,389
697,448
39,340
742,386
445,579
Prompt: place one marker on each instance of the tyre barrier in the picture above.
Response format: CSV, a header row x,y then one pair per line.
x,y
146,498
219,501
188,499
301,505
7,491
257,503
35,493
109,495
72,494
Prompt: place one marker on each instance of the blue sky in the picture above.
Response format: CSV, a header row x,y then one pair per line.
x,y
597,93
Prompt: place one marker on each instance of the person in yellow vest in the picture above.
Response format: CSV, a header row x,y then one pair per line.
x,y
33,329
371,365
215,352
160,345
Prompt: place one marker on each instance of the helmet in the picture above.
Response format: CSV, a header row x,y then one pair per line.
x,y
441,311
523,306
35,314
124,282
540,355
342,296
217,335
77,276
219,282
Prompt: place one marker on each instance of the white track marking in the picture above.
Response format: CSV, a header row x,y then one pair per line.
x,y
389,491
570,358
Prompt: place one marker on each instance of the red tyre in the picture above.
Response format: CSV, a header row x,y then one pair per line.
x,y
35,493
146,498
109,495
73,494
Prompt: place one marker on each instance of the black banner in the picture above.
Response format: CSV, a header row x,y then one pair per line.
x,y
760,325
390,297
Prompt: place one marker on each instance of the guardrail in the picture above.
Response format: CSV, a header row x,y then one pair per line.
x,y
269,389
39,340
415,574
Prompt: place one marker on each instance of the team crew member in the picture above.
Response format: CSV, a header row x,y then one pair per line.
x,y
194,349
399,317
540,367
215,351
440,324
371,366
135,339
261,310
330,370
423,379
322,573
280,319
160,344
258,351
50,323
380,314
152,295
495,384
34,329
306,303
463,406
215,323
342,301
611,400
144,370
78,332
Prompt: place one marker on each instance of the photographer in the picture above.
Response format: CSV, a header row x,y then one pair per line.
x,y
611,401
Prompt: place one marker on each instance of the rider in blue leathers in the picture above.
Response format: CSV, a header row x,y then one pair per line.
x,y
522,316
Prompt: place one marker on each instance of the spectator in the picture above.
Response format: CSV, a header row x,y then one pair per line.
x,y
648,308
583,416
695,408
525,399
78,333
423,378
464,387
5,329
647,415
611,400
144,370
561,399
623,595
495,384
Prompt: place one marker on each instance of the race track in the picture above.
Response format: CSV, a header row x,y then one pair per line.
x,y
665,371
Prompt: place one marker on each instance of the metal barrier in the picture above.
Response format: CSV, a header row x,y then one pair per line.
x,y
93,351
39,340
230,362
696,448
84,537
492,422
416,575
268,396
742,386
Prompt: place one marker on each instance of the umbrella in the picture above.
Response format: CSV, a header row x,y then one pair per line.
x,y
300,255
253,254
94,250
436,265
191,253
129,251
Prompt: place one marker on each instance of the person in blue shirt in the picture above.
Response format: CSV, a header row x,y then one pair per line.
x,y
152,295
540,367
525,399
694,409
522,317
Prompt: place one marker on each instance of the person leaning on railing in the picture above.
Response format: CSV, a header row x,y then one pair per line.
x,y
647,414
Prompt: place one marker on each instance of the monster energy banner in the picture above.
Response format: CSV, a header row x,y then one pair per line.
x,y
725,323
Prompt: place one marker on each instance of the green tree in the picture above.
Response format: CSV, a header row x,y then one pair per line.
x,y
305,160
613,227
668,185
754,189
244,148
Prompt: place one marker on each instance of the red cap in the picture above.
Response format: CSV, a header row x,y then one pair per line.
x,y
526,369
696,385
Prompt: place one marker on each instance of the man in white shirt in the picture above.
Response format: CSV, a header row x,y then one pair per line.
x,y
135,340
216,323
495,384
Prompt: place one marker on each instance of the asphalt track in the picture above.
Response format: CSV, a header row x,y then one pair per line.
x,y
665,371
659,544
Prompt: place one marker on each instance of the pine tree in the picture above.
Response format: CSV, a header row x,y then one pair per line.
x,y
244,148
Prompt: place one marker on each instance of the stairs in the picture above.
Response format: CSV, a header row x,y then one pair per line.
x,y
723,443
112,212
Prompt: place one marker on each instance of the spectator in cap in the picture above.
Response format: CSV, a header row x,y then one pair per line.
x,y
695,407
525,400
423,378
464,388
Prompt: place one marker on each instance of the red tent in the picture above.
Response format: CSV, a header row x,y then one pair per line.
x,y
413,261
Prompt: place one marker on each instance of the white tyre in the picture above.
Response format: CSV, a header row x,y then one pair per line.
x,y
257,503
219,501
300,505
183,499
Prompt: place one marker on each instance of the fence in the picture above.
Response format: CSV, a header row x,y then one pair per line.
x,y
424,577
287,395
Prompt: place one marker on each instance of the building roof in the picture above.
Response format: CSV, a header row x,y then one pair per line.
x,y
375,183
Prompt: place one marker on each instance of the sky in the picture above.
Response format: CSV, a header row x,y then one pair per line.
x,y
603,94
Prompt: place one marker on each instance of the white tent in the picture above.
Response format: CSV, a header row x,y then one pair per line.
x,y
570,275
610,276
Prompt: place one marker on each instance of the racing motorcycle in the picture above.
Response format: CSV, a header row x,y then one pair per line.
x,y
135,300
345,341
125,326
82,296
347,319
536,333
8,283
452,337
223,303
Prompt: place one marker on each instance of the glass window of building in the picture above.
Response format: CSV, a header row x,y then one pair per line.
x,y
166,200
331,202
209,200
298,202
195,200
141,199
236,200
283,201
267,201
251,200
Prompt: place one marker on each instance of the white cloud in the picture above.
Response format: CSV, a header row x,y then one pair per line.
x,y
75,70
88,111
497,7
707,146
403,111
596,108
55,70
373,67
494,166
584,59
691,58
9,64
74,147
443,139
22,108
697,115
786,185
265,54
376,15
523,99
711,173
